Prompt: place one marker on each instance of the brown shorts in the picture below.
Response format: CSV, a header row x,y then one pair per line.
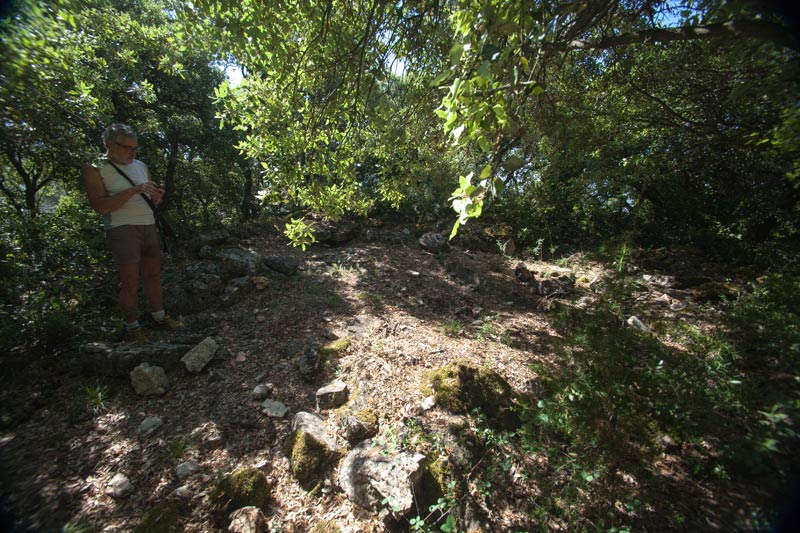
x,y
130,244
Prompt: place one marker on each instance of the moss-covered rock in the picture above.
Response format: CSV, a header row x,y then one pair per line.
x,y
244,487
334,348
164,517
359,424
308,458
461,387
326,526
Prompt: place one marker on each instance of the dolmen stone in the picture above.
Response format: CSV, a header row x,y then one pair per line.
x,y
117,360
332,395
371,475
149,380
311,448
198,357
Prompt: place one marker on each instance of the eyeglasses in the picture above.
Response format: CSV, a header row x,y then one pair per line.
x,y
133,149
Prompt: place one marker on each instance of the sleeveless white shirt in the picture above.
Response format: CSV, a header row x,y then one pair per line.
x,y
134,212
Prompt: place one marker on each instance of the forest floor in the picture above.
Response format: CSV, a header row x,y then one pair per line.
x,y
622,431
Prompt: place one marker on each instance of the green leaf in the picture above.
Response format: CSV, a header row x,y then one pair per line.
x,y
486,172
455,53
454,231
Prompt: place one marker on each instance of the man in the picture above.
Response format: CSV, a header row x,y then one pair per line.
x,y
130,225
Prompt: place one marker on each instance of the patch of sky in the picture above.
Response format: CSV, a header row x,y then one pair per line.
x,y
232,71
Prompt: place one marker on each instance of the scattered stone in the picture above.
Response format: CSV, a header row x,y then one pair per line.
x,y
149,425
428,403
332,395
183,492
274,409
199,356
371,475
243,488
262,391
209,435
282,264
149,380
359,425
248,519
635,323
186,469
119,486
309,363
310,449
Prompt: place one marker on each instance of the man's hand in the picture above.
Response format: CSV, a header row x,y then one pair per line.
x,y
153,190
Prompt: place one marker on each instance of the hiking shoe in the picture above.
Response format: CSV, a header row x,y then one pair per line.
x,y
169,323
134,335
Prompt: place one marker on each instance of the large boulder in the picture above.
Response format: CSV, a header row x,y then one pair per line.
x,y
371,475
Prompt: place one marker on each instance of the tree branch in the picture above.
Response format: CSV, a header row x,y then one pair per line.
x,y
735,29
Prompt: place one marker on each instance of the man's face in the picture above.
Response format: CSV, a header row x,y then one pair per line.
x,y
122,150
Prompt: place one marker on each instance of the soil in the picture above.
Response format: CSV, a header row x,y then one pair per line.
x,y
403,314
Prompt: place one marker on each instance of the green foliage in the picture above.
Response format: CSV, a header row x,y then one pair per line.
x,y
96,396
299,233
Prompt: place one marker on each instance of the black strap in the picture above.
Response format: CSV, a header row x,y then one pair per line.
x,y
146,198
